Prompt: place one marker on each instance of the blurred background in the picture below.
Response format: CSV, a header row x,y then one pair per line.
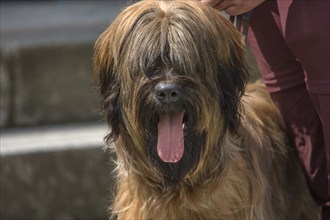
x,y
53,165
52,162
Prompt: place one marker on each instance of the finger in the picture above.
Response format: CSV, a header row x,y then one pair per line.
x,y
233,10
211,3
243,8
223,5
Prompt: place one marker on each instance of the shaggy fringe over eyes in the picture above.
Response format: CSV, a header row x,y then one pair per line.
x,y
153,35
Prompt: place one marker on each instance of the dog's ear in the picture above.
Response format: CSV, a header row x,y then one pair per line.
x,y
111,107
232,77
232,81
108,83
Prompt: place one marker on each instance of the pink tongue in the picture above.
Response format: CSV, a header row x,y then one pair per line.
x,y
170,143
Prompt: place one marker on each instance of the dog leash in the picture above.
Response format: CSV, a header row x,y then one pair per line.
x,y
241,22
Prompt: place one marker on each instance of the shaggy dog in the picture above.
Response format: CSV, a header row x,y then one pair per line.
x,y
191,141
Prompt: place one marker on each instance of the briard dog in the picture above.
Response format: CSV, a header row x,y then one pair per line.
x,y
192,140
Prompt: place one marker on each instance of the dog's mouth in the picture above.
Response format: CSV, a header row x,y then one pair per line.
x,y
170,139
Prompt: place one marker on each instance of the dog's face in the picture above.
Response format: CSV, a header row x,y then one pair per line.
x,y
171,77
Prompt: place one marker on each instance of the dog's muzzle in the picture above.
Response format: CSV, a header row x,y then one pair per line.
x,y
170,141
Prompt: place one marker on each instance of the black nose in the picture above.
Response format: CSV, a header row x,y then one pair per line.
x,y
168,92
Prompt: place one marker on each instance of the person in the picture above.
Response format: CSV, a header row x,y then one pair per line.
x,y
290,41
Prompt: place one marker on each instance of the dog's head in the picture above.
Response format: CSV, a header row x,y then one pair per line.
x,y
171,77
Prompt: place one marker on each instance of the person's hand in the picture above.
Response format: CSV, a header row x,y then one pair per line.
x,y
233,7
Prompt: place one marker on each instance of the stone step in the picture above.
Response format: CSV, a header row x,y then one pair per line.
x,y
46,60
56,172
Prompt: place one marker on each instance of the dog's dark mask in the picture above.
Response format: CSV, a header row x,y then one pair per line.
x,y
178,95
